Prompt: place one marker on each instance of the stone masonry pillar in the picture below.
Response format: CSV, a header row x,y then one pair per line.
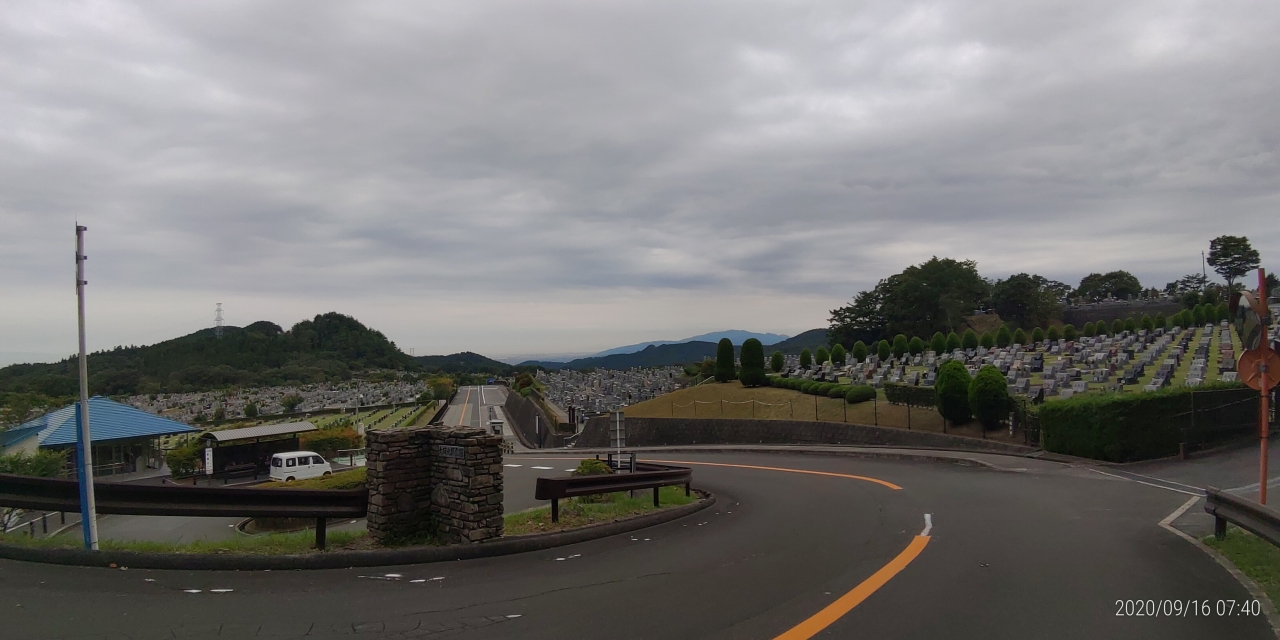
x,y
398,468
466,479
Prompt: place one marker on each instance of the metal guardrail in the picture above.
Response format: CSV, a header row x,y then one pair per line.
x,y
1255,518
55,494
646,476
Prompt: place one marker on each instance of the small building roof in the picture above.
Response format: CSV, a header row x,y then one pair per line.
x,y
108,420
260,431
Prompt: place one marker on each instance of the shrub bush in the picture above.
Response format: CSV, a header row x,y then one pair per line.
x,y
859,393
44,463
1160,321
838,355
777,361
988,340
883,350
1124,427
952,391
1197,316
989,397
1003,337
837,391
1037,335
859,351
911,395
915,346
938,343
821,356
1130,325
1053,334
184,459
969,341
1117,326
752,358
952,342
328,442
1089,330
725,368
806,359
1020,336
899,346
1147,323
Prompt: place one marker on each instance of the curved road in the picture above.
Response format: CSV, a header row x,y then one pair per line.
x,y
1044,552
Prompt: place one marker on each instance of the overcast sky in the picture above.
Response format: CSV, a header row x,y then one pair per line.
x,y
553,177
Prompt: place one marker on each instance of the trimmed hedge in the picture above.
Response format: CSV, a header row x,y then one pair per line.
x,y
952,390
837,391
910,395
989,397
1124,427
859,393
752,358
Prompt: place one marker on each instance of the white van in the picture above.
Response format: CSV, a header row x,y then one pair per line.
x,y
298,465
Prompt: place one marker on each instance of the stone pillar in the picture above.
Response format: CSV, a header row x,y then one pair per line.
x,y
434,481
466,479
398,468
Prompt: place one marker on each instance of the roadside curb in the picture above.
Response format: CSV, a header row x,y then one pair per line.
x,y
349,559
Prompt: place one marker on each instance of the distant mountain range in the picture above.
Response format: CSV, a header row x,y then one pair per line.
x,y
736,336
687,352
465,362
811,339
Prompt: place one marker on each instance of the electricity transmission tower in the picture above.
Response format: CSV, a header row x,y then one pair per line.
x,y
217,322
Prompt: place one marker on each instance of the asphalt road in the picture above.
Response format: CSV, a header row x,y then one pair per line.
x,y
470,407
1042,553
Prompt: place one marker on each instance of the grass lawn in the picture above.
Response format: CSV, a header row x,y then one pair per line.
x,y
1257,558
350,479
575,512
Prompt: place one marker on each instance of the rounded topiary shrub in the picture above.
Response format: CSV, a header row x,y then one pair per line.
x,y
1130,325
806,359
1069,333
938,343
1003,337
1020,336
752,359
1053,334
915,346
883,350
1037,335
837,391
988,340
969,341
859,393
1160,321
989,397
821,356
726,370
777,361
1088,330
900,345
859,351
952,390
838,355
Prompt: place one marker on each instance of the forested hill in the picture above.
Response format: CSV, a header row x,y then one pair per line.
x,y
465,362
329,347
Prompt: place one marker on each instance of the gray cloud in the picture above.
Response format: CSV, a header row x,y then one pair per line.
x,y
656,168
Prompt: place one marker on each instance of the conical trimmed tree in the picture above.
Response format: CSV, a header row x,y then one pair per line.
x,y
838,355
938,343
821,356
970,339
752,357
859,351
1003,337
952,391
988,340
725,368
883,351
915,346
1037,335
1054,334
1069,333
899,345
777,361
806,359
989,397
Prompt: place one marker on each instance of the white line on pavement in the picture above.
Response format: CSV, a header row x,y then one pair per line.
x,y
928,524
542,468
1149,484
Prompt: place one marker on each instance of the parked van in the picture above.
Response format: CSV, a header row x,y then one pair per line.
x,y
298,465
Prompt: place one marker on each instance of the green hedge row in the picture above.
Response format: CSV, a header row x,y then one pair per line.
x,y
909,395
1123,427
852,394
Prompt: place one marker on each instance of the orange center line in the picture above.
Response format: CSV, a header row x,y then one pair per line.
x,y
816,473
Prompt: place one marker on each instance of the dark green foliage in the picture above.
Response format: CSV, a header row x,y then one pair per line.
x,y
899,346
837,391
915,346
910,395
821,356
952,342
988,340
1130,325
1117,326
1053,334
883,350
1224,312
1020,336
1003,338
1137,426
989,397
1028,300
1069,333
290,402
1037,335
1160,321
806,359
859,351
859,393
952,389
1117,284
1089,330
1147,323
752,358
938,343
250,410
1232,257
1197,316
181,460
838,355
725,367
328,442
329,347
969,341
777,361
44,463
922,299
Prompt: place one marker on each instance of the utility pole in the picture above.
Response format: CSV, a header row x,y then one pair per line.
x,y
84,445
